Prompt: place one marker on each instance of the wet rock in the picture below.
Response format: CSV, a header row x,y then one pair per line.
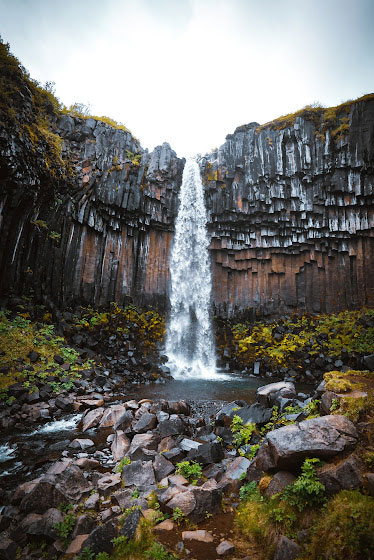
x,y
131,524
257,413
265,395
224,416
143,441
111,416
199,535
92,419
173,426
139,474
279,482
179,407
232,477
120,445
64,403
107,484
286,549
162,467
225,548
81,444
346,475
321,437
44,495
145,423
100,540
207,453
124,421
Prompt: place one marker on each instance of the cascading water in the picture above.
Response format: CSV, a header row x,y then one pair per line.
x,y
189,342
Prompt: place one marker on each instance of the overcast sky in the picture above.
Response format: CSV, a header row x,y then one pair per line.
x,y
190,71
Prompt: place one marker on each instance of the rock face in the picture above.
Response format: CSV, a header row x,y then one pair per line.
x,y
290,216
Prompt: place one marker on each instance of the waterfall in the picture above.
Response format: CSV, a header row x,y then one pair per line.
x,y
189,341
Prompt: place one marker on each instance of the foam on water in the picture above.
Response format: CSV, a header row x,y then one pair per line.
x,y
189,341
7,452
58,425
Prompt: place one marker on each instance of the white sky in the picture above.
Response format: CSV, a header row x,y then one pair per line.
x,y
190,71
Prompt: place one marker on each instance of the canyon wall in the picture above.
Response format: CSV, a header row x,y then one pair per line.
x,y
291,213
290,208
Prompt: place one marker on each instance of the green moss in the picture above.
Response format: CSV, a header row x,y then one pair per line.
x,y
345,530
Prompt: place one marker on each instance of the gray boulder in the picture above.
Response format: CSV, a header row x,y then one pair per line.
x,y
279,482
286,549
139,474
207,453
266,395
345,475
146,422
131,524
173,426
321,437
257,413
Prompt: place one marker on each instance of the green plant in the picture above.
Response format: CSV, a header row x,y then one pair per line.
x,y
335,404
122,463
158,552
369,459
312,408
135,494
307,490
102,556
242,432
66,507
190,470
86,554
178,515
65,527
344,530
249,491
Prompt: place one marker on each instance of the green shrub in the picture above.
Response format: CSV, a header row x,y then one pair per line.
x,y
249,491
242,432
86,554
65,527
122,463
344,530
307,490
158,552
190,470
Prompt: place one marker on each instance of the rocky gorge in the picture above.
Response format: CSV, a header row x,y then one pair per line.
x,y
98,461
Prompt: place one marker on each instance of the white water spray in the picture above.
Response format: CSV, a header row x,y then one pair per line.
x,y
189,342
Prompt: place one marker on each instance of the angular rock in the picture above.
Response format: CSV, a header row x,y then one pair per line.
x,y
92,419
173,426
224,416
207,453
279,482
185,501
199,535
189,444
83,526
174,455
131,524
108,483
225,548
265,395
65,403
321,437
145,423
139,474
120,445
111,416
81,444
76,546
8,548
346,475
44,495
232,477
45,526
286,549
257,413
208,498
167,525
326,401
124,421
144,441
162,467
100,540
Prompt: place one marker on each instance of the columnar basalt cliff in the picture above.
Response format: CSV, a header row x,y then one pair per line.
x,y
291,213
87,216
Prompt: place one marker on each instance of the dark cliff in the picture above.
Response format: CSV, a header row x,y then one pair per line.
x,y
291,212
87,215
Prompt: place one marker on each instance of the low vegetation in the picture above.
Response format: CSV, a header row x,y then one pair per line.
x,y
284,343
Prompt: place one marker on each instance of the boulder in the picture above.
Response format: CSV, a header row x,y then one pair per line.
x,y
8,548
321,437
225,547
207,453
279,482
92,419
286,549
139,474
131,524
45,526
120,445
184,500
111,415
369,362
124,421
83,526
267,394
257,413
76,546
224,416
81,444
124,499
179,407
144,441
43,495
162,467
65,403
108,483
326,402
208,498
145,423
233,475
345,475
173,426
100,540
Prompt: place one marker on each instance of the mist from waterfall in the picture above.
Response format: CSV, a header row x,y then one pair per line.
x,y
189,343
